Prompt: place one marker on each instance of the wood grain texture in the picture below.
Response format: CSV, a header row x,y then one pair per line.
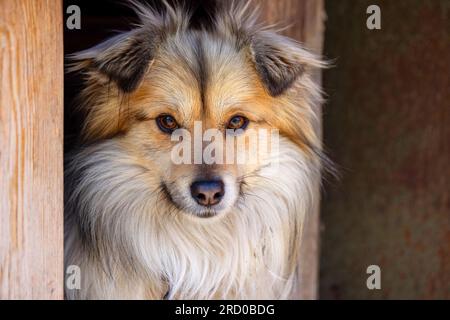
x,y
31,155
305,23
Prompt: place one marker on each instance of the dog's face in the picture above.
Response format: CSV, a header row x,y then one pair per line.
x,y
198,93
153,85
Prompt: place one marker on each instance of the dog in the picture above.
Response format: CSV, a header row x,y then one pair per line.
x,y
140,226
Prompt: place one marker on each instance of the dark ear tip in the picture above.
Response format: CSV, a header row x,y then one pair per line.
x,y
127,86
278,62
278,82
126,66
277,89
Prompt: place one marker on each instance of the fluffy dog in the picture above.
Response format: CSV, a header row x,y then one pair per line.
x,y
140,226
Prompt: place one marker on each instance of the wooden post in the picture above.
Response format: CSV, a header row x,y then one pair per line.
x,y
31,149
305,19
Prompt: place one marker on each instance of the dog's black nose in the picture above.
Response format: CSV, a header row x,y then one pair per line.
x,y
208,193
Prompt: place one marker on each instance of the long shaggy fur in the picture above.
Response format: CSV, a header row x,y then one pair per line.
x,y
122,228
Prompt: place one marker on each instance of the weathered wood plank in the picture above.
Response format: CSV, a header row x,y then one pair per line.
x,y
31,155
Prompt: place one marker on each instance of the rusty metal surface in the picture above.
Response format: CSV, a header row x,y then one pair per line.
x,y
387,125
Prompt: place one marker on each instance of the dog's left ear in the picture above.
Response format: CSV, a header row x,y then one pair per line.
x,y
279,61
124,59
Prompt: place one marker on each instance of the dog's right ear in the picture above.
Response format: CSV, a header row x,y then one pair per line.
x,y
126,57
123,59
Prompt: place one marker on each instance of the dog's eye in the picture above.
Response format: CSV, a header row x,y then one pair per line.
x,y
237,122
167,123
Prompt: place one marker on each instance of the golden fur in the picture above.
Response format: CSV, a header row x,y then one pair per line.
x,y
130,224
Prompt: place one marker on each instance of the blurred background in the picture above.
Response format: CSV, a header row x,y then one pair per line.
x,y
387,126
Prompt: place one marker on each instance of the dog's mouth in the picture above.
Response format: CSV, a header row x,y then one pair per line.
x,y
208,213
180,204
